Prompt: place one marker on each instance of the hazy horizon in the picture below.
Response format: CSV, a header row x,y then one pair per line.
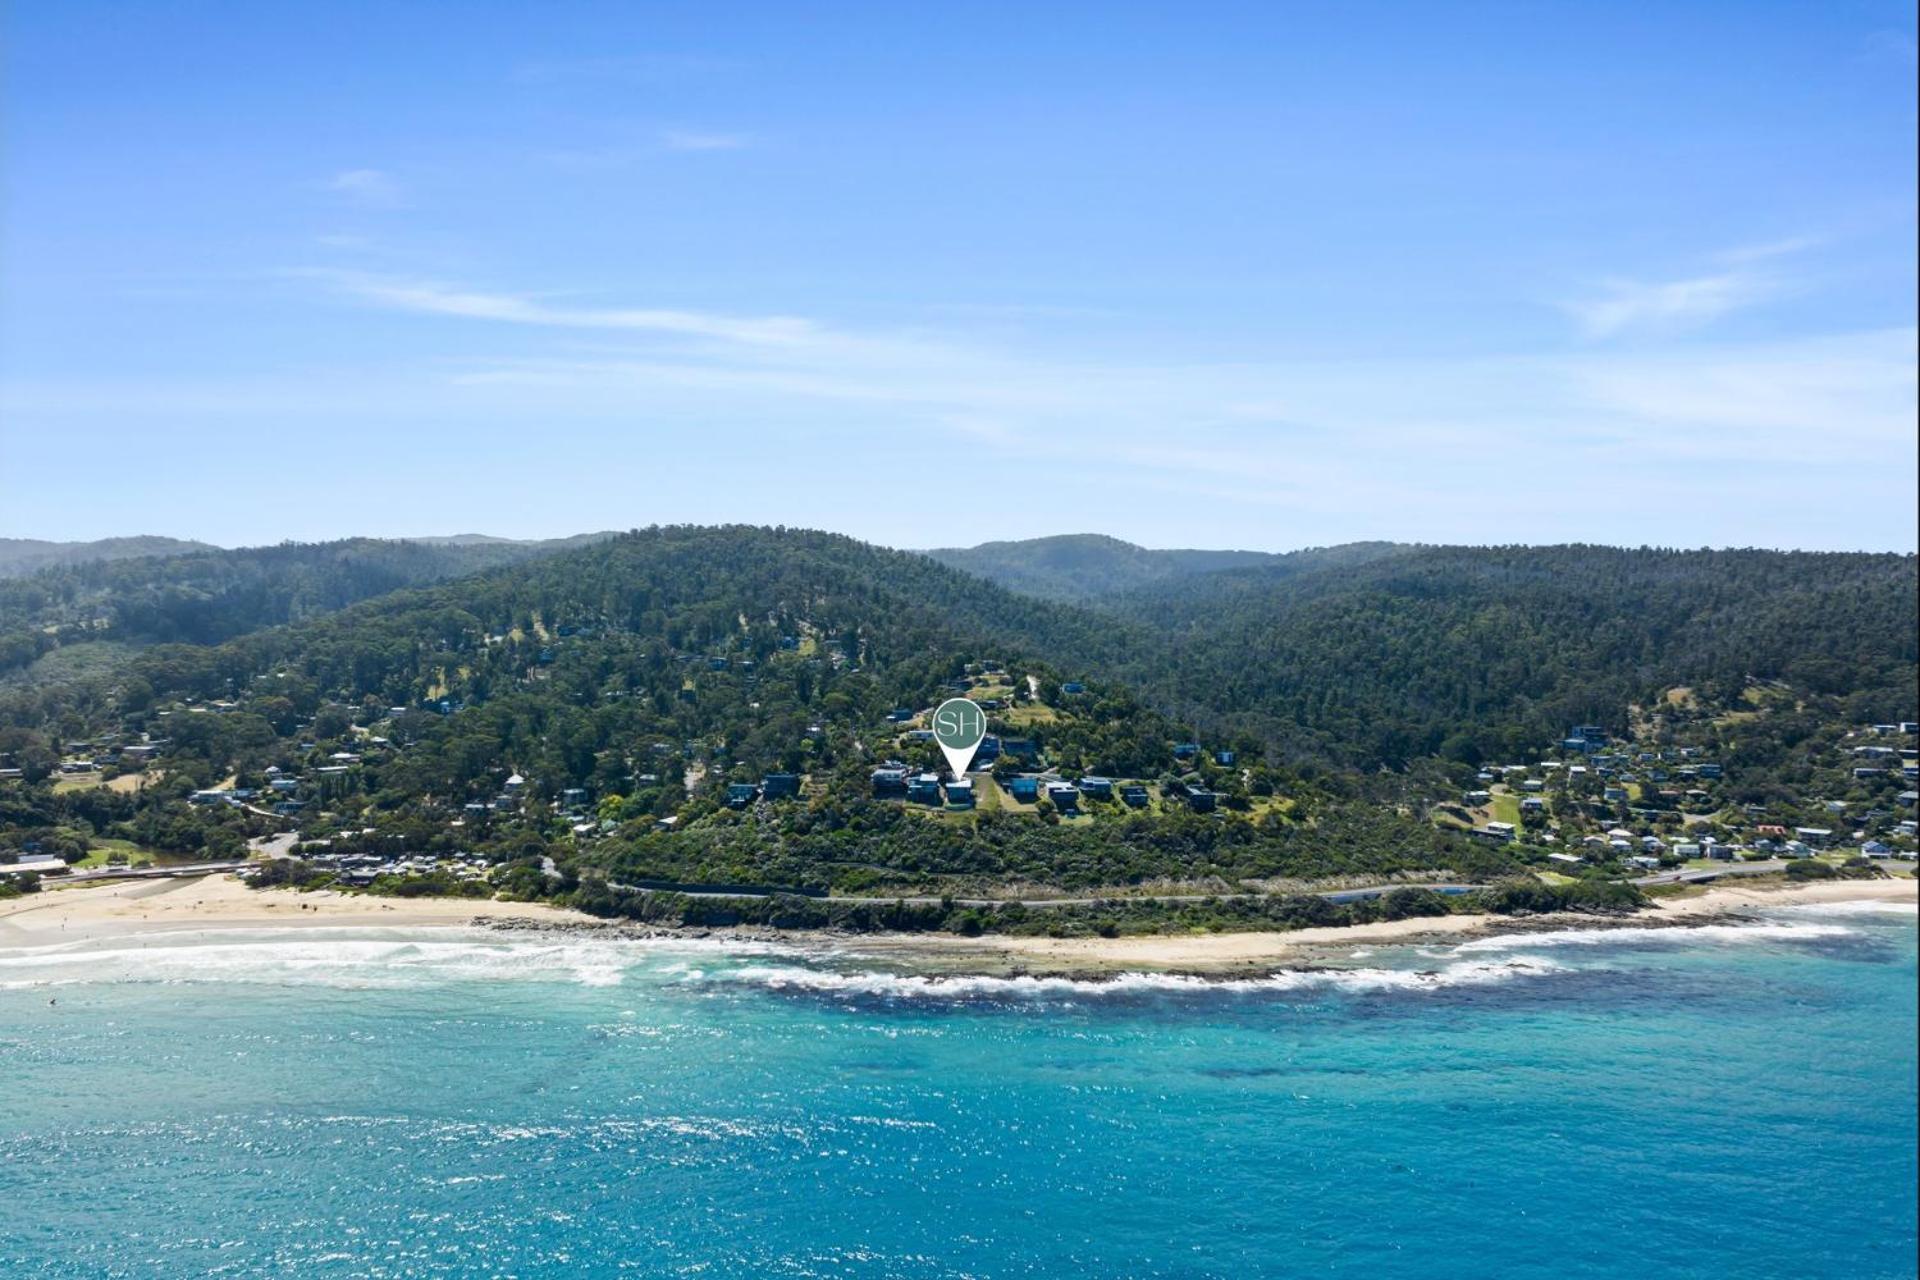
x,y
1287,277
930,547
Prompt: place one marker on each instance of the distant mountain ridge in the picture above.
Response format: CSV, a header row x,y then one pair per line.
x,y
21,556
1082,568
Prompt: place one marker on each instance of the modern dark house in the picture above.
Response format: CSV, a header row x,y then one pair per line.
x,y
890,781
924,788
741,794
1024,789
1098,788
1134,797
780,786
1201,800
1065,796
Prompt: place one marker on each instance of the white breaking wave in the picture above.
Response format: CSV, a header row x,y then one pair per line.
x,y
397,958
975,986
1768,931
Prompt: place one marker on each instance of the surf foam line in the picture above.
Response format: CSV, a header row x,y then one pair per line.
x,y
295,958
797,978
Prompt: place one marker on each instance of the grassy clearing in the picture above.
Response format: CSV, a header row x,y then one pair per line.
x,y
109,852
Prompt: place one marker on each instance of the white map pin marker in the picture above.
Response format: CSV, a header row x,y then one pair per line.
x,y
958,726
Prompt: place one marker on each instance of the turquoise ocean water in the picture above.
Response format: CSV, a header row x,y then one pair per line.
x,y
1729,1101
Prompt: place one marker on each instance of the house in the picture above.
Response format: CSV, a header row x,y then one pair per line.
x,y
1098,788
1065,796
1225,759
1815,836
1533,784
284,784
1019,748
988,751
1185,750
1025,790
1876,849
1585,738
1073,686
1474,799
960,793
1614,794
1201,800
1533,804
924,788
39,864
780,786
1710,771
899,715
1686,849
1498,832
1570,859
1134,797
890,781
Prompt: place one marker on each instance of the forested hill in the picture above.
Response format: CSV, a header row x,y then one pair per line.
x,y
20,556
1354,656
205,597
1082,567
1482,653
732,591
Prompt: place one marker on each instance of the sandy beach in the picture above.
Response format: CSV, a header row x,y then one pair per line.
x,y
128,908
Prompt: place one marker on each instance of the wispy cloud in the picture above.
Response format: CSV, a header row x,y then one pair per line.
x,y
434,298
367,188
1743,279
1797,401
695,140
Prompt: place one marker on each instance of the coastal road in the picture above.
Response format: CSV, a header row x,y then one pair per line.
x,y
933,900
1701,875
146,873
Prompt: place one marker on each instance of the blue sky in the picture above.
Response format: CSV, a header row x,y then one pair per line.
x,y
1261,275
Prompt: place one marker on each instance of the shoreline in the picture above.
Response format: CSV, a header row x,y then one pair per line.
x,y
127,910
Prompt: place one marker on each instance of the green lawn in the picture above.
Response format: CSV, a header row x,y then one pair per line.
x,y
135,856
